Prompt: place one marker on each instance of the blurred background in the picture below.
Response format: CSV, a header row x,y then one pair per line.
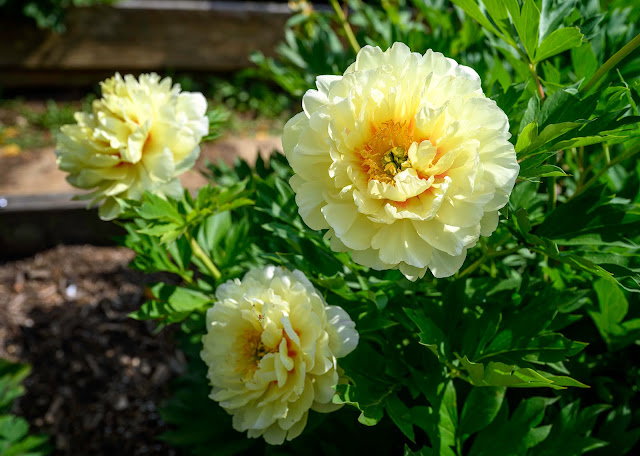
x,y
53,53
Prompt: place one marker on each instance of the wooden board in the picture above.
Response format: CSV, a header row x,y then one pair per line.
x,y
33,224
138,35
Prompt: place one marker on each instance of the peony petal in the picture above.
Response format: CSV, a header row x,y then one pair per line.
x,y
489,223
445,265
353,229
257,367
310,201
343,337
399,242
138,137
449,239
461,165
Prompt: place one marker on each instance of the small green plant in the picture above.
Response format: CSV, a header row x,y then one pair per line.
x,y
15,439
54,116
48,14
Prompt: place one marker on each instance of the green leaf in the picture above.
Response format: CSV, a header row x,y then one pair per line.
x,y
558,41
531,113
14,431
31,445
508,436
13,428
181,299
594,217
527,26
172,303
584,61
430,334
217,119
370,415
424,451
448,422
167,231
534,167
497,9
553,14
550,248
570,432
613,304
369,385
617,430
501,374
401,415
155,207
480,408
528,135
566,105
471,8
11,377
587,141
613,307
535,142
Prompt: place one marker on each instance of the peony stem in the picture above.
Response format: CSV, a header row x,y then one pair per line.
x,y
480,261
620,158
199,253
611,63
342,18
532,70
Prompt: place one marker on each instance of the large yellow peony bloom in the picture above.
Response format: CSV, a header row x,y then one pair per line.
x,y
139,136
271,349
403,159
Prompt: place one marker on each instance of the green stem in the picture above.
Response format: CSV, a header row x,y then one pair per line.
x,y
611,63
199,253
620,158
342,18
455,371
552,192
532,70
480,261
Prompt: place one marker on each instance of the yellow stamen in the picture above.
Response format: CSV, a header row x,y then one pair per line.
x,y
395,160
252,351
385,154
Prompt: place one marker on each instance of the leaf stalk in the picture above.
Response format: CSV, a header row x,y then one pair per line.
x,y
611,63
342,18
200,254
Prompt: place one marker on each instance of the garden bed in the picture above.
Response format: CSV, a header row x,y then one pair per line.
x,y
98,376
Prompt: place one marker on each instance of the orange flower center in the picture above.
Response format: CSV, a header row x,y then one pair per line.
x,y
252,350
385,154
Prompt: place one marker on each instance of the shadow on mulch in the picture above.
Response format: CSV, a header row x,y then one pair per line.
x,y
98,376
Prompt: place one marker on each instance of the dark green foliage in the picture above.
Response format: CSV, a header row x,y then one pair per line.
x,y
217,119
14,430
549,301
203,428
424,344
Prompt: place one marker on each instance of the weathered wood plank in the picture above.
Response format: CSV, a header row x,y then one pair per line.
x,y
137,35
40,202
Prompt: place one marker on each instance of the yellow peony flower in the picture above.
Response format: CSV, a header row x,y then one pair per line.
x,y
139,136
403,159
271,349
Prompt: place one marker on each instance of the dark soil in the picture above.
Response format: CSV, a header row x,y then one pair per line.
x,y
98,376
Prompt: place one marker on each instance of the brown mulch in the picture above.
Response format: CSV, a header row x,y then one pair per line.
x,y
98,376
